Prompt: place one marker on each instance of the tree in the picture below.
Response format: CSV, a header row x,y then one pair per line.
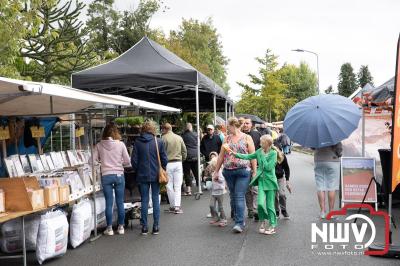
x,y
329,90
102,26
199,44
265,96
301,81
14,18
347,80
57,49
364,76
134,25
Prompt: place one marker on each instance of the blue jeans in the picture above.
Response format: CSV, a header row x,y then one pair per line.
x,y
286,149
238,182
144,193
116,183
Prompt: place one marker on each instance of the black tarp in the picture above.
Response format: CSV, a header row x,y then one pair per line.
x,y
150,72
383,92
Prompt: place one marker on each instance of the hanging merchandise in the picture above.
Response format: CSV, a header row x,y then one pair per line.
x,y
80,223
52,239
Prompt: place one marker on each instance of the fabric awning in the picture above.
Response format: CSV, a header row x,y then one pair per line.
x,y
144,104
20,97
150,72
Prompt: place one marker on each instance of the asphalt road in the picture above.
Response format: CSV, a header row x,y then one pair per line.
x,y
188,239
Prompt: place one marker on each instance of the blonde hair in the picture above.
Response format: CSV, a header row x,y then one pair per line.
x,y
268,140
233,121
149,127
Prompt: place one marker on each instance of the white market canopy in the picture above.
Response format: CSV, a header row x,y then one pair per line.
x,y
20,97
144,104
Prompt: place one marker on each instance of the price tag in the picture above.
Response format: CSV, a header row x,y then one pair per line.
x,y
4,133
37,132
79,132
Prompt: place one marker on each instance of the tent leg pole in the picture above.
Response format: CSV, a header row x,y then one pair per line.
x,y
362,126
226,114
94,178
215,110
51,140
72,132
198,137
61,148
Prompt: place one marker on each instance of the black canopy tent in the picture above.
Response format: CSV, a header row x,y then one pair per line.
x,y
148,71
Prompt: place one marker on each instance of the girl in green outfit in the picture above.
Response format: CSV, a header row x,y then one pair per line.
x,y
266,181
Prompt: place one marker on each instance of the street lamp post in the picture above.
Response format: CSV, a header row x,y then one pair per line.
x,y
311,52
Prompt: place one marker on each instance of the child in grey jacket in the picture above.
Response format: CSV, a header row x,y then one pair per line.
x,y
217,196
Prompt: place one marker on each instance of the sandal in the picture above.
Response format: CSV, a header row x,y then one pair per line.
x,y
223,223
270,231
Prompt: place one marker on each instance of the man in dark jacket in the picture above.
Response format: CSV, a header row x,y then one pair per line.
x,y
190,164
282,169
252,191
264,130
210,143
145,163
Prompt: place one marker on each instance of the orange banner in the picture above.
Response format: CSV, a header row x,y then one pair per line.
x,y
396,125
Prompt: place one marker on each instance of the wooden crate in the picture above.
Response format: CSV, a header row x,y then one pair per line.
x,y
17,196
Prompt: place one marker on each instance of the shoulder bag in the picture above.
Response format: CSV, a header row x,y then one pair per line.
x,y
162,174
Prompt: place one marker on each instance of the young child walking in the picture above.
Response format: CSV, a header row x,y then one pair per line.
x,y
217,195
266,181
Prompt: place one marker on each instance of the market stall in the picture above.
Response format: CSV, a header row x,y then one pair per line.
x,y
39,182
148,71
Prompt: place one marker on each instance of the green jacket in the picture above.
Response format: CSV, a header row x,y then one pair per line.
x,y
174,146
265,178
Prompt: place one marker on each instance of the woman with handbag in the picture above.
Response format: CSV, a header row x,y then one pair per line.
x,y
149,161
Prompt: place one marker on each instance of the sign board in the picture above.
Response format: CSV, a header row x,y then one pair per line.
x,y
37,132
79,132
356,174
396,125
4,133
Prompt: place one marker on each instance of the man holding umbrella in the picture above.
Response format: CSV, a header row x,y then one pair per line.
x,y
322,122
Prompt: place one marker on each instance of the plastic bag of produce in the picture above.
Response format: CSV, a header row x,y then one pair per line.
x,y
11,234
81,223
52,237
100,211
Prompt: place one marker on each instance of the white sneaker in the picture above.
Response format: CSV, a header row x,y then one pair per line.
x,y
270,231
209,215
262,228
121,230
109,231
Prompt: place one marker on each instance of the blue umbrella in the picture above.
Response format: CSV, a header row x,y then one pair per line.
x,y
321,121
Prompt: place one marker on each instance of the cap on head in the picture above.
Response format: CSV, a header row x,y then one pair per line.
x,y
210,127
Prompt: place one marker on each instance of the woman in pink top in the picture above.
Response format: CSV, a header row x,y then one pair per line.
x,y
236,171
113,156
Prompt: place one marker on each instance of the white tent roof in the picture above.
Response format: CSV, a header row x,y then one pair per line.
x,y
19,97
144,104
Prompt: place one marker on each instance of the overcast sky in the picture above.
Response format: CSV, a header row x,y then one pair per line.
x,y
360,32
